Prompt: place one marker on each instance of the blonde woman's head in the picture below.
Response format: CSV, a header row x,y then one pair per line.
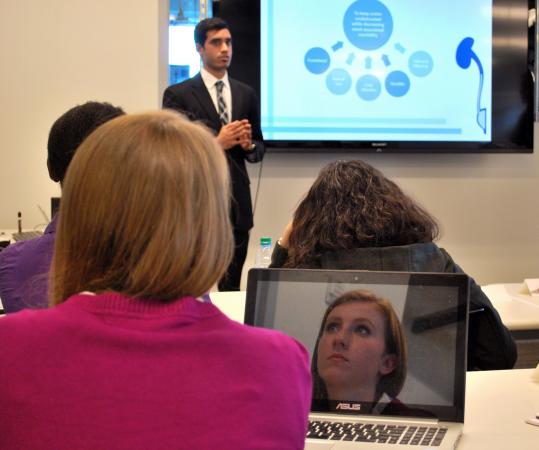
x,y
145,211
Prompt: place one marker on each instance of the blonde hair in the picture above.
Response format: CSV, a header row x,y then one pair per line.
x,y
145,211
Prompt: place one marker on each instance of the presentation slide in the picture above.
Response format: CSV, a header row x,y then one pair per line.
x,y
376,70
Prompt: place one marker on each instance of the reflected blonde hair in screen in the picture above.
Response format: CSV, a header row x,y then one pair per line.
x,y
145,211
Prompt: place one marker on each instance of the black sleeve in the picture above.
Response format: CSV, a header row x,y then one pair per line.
x,y
257,154
490,344
174,99
171,101
278,257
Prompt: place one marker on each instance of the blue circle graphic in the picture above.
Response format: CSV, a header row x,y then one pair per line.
x,y
368,87
420,63
317,60
368,24
397,83
339,81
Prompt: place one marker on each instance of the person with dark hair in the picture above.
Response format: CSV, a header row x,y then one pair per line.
x,y
24,266
360,353
353,217
129,356
230,108
70,129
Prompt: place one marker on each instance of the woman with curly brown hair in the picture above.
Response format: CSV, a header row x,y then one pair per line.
x,y
353,217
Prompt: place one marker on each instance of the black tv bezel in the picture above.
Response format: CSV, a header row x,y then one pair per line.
x,y
512,79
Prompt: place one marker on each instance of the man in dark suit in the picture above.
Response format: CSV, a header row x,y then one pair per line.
x,y
230,108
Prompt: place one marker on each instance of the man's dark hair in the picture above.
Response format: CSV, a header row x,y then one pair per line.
x,y
205,25
70,129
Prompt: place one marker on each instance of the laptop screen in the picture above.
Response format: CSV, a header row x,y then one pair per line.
x,y
380,343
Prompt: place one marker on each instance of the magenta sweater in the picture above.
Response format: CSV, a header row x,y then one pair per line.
x,y
109,372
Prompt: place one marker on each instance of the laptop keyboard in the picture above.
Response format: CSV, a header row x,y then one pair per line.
x,y
26,235
376,433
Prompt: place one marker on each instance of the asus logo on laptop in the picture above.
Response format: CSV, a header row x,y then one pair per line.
x,y
349,406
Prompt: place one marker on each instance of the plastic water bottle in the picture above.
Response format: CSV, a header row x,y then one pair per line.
x,y
263,253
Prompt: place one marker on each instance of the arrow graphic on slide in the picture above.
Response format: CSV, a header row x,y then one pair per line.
x,y
385,58
350,59
337,46
399,48
368,62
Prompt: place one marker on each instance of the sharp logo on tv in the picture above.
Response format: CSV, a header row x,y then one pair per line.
x,y
349,406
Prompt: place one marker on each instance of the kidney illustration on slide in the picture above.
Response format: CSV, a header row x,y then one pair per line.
x,y
465,56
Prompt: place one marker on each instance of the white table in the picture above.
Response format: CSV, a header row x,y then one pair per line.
x,y
230,303
497,402
6,235
519,311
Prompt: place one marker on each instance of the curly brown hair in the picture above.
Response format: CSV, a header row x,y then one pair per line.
x,y
350,205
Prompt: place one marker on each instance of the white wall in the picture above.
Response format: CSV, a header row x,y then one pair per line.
x,y
487,205
58,53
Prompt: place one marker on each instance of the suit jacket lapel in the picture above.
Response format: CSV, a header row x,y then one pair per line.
x,y
203,97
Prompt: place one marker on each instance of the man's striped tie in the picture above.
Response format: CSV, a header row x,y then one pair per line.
x,y
223,113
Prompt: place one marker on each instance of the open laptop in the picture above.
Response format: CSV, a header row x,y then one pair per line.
x,y
411,394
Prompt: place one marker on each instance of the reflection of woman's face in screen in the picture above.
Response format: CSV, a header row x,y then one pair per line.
x,y
351,352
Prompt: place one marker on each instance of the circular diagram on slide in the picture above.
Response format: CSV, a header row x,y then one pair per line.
x,y
368,27
368,24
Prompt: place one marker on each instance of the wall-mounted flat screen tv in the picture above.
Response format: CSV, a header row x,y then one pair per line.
x,y
388,75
